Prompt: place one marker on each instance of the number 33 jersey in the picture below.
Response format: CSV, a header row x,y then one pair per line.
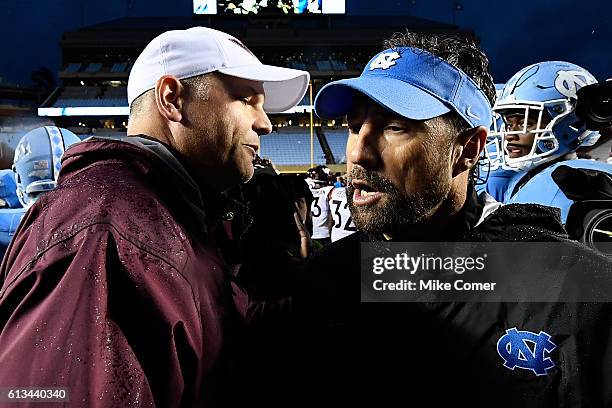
x,y
320,212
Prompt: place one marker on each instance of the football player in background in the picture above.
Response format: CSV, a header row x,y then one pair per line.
x,y
36,168
8,190
10,209
539,136
493,173
321,218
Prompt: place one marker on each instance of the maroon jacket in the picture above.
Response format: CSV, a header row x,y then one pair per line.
x,y
114,288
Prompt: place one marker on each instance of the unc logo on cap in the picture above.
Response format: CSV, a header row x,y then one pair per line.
x,y
384,60
513,347
568,82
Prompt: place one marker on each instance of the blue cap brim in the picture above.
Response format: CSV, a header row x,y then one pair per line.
x,y
336,99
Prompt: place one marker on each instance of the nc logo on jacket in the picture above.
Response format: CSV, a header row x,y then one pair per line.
x,y
526,350
384,61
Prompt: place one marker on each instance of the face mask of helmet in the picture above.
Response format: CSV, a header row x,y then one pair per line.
x,y
538,106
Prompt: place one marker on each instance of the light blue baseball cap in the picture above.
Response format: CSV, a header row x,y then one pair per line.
x,y
412,83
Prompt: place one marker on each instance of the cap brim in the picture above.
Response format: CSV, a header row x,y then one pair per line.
x,y
284,87
336,99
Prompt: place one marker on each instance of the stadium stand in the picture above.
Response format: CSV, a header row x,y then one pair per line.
x,y
324,65
297,65
93,67
338,65
115,96
336,139
119,67
75,96
73,67
291,145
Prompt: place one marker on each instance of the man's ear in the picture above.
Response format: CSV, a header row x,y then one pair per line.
x,y
169,97
467,149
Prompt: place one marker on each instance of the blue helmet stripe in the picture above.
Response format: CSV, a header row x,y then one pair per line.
x,y
56,142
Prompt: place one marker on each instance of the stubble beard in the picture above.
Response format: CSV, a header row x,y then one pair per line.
x,y
396,212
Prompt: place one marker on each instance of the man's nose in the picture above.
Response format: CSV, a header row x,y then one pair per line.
x,y
261,124
509,138
364,150
512,128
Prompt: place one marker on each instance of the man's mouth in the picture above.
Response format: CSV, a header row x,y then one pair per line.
x,y
517,150
365,194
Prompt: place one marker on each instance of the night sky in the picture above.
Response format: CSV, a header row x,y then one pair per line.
x,y
513,33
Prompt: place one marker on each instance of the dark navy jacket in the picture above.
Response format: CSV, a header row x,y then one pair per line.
x,y
445,354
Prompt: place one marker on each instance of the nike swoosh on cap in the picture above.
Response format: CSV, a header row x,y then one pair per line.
x,y
470,114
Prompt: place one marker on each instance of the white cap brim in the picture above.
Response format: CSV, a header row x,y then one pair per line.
x,y
284,87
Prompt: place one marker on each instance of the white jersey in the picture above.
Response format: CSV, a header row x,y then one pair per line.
x,y
343,222
320,212
311,183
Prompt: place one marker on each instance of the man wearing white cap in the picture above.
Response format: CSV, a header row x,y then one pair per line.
x,y
113,287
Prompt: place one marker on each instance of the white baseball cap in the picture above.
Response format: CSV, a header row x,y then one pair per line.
x,y
200,50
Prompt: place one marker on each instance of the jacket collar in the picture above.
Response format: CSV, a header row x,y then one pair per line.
x,y
148,156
